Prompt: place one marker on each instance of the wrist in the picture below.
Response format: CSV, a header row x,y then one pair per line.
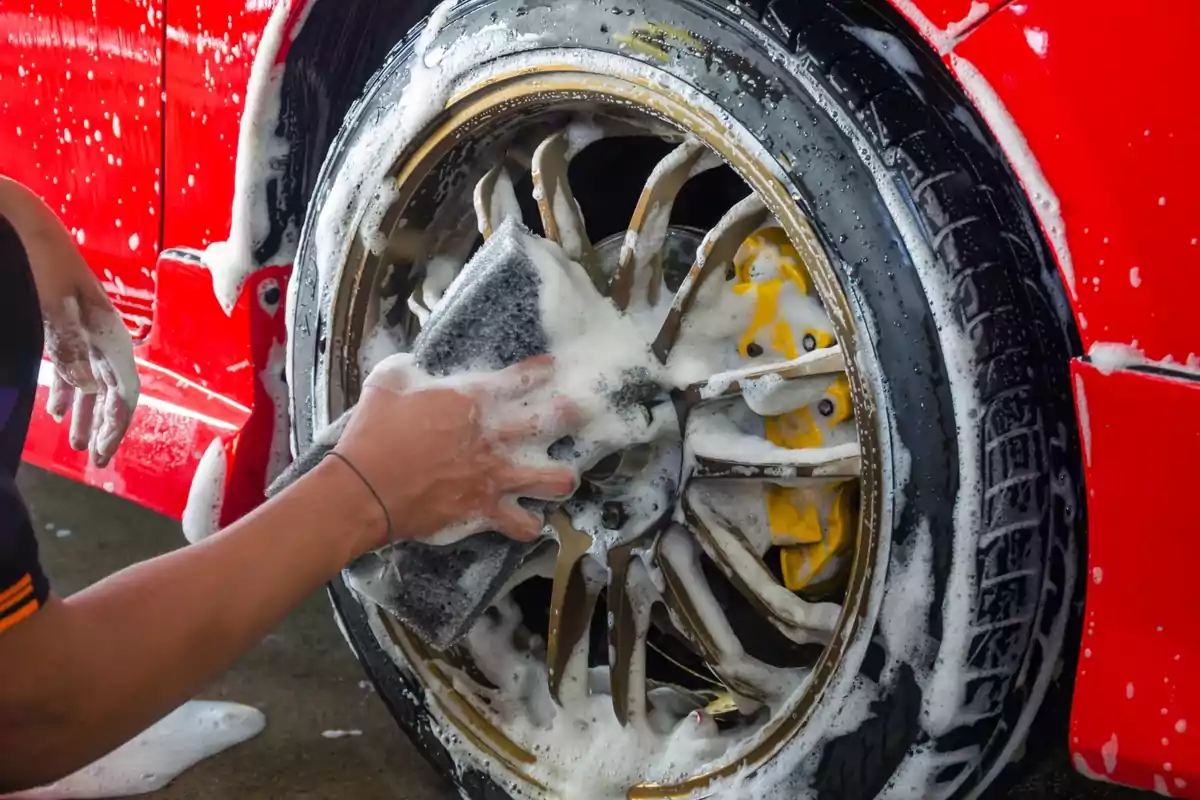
x,y
58,269
362,519
54,258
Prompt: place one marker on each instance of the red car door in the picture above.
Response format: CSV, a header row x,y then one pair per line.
x,y
81,96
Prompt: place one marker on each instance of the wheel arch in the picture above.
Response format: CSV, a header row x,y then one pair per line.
x,y
333,49
328,54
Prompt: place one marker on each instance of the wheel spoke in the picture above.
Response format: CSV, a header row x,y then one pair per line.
x,y
641,255
587,129
630,597
416,303
760,460
561,217
703,622
495,200
730,548
715,254
816,364
572,602
622,630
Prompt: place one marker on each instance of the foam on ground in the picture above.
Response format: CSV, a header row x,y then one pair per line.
x,y
191,733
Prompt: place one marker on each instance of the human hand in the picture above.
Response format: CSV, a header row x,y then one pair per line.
x,y
85,337
95,372
452,455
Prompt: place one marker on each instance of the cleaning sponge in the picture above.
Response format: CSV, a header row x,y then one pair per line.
x,y
489,319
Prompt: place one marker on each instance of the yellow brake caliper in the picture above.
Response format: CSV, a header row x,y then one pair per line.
x,y
813,526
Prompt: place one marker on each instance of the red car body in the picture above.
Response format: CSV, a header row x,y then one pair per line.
x,y
124,115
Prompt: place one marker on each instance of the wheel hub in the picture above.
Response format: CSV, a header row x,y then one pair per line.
x,y
632,492
626,506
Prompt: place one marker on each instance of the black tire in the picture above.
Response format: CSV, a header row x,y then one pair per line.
x,y
967,339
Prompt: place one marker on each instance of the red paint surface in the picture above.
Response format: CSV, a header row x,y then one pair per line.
x,y
80,91
1141,644
1107,110
1101,92
201,370
210,47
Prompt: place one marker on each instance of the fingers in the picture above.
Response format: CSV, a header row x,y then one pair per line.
x,y
112,409
81,420
115,416
560,417
102,395
80,374
76,370
61,394
399,373
515,522
67,345
521,378
111,357
542,483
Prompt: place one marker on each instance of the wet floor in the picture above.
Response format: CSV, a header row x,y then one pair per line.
x,y
304,679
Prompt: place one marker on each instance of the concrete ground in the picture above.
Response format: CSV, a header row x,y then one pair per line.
x,y
304,678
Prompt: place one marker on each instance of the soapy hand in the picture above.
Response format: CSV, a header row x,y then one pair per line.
x,y
85,337
95,373
442,454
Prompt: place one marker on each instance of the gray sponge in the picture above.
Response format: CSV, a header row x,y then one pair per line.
x,y
489,320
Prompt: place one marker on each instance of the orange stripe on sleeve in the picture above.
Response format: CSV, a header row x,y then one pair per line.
x,y
16,600
17,588
18,615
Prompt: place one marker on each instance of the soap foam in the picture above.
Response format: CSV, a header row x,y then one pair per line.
x,y
191,733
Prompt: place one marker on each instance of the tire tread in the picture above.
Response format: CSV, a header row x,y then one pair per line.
x,y
989,247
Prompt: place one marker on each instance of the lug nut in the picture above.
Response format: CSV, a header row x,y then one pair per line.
x,y
754,350
825,407
810,342
612,516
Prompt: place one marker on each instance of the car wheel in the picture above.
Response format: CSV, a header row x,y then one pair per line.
x,y
863,587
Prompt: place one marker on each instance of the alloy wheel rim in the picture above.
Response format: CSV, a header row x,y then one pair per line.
x,y
480,115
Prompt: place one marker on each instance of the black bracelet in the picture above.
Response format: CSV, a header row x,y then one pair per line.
x,y
387,517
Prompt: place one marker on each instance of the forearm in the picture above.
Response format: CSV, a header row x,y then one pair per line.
x,y
26,212
58,268
89,672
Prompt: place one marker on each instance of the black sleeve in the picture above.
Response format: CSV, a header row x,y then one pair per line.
x,y
23,585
